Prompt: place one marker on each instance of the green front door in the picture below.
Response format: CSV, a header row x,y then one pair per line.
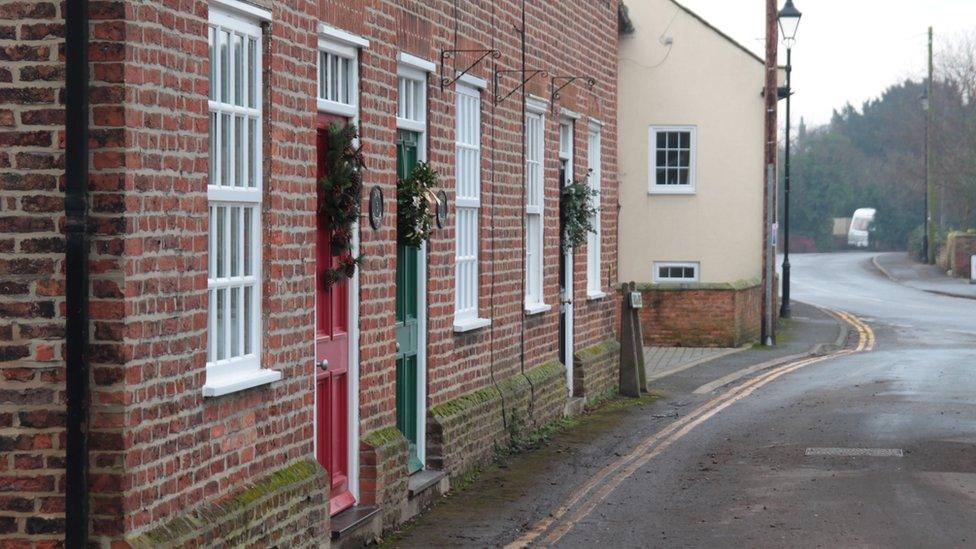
x,y
407,324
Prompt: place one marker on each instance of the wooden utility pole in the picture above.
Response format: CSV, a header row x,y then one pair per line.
x,y
929,188
771,95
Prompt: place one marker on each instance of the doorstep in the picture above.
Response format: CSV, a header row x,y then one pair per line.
x,y
423,489
357,526
574,406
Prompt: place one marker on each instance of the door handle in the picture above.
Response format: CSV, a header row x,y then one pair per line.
x,y
323,364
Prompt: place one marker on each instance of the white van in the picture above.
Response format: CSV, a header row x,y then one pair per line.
x,y
858,234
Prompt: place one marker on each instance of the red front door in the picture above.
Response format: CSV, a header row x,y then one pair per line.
x,y
331,357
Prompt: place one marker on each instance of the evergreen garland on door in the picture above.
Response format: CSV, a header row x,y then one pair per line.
x,y
578,203
341,188
415,195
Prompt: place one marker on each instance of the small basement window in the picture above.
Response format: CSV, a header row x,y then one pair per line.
x,y
675,272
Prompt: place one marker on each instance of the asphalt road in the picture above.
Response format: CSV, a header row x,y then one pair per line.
x,y
743,476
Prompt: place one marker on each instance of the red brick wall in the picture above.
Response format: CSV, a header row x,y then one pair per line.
x,y
180,448
31,286
586,45
701,317
158,447
961,248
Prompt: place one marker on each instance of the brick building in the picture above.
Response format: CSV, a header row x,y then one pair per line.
x,y
224,372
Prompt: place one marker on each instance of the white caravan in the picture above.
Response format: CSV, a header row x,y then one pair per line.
x,y
858,234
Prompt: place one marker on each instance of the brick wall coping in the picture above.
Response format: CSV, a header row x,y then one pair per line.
x,y
738,285
460,404
240,511
605,348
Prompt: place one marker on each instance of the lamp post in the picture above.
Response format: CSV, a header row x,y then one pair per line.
x,y
789,21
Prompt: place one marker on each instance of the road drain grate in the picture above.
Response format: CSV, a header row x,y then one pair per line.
x,y
855,452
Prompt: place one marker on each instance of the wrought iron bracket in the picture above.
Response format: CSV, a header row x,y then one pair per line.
x,y
447,79
555,87
527,76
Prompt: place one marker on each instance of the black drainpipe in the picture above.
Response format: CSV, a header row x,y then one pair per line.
x,y
76,272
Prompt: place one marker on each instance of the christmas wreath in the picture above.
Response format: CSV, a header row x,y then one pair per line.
x,y
415,195
577,207
339,206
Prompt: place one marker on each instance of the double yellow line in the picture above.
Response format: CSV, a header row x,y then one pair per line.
x,y
865,333
584,499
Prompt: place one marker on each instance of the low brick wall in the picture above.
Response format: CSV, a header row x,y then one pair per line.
x,y
961,246
383,472
287,508
701,315
464,432
596,371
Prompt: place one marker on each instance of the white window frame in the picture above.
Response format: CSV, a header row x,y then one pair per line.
x,y
411,99
594,240
535,207
337,43
467,253
692,186
682,264
243,370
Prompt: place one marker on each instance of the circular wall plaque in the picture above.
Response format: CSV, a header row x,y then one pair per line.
x,y
441,209
376,207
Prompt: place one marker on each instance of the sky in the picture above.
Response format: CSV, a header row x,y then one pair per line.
x,y
846,50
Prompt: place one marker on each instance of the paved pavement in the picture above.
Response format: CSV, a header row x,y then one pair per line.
x,y
873,445
664,361
900,268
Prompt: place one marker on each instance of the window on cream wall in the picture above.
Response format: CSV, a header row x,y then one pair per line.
x,y
234,194
467,207
672,159
675,271
534,208
594,239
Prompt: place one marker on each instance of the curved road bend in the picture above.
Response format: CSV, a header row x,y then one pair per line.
x,y
874,449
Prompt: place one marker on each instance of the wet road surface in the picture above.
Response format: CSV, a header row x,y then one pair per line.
x,y
874,449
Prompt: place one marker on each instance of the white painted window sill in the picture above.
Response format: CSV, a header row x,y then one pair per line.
x,y
593,296
231,383
671,191
537,308
470,325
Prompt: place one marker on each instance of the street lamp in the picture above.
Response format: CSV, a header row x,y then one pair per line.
x,y
789,22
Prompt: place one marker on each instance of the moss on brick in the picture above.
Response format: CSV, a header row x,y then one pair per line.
x,y
465,402
595,371
383,437
228,517
599,350
737,285
542,373
466,430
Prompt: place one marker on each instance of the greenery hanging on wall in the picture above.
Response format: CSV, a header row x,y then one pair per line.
x,y
578,204
415,205
341,189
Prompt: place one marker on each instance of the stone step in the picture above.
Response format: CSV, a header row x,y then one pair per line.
x,y
357,526
424,488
